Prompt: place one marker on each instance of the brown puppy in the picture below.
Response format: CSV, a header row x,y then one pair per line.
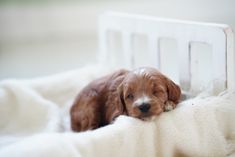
x,y
142,93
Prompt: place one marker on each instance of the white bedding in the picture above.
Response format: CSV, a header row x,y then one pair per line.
x,y
34,121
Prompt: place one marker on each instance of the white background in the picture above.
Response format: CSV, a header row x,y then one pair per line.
x,y
42,38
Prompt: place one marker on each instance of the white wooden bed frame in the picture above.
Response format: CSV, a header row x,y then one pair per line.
x,y
218,36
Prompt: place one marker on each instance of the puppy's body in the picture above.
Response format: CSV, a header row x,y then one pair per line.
x,y
142,93
98,103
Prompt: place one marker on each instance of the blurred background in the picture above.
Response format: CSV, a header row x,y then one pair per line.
x,y
39,38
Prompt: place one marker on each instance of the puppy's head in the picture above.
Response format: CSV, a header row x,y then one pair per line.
x,y
145,91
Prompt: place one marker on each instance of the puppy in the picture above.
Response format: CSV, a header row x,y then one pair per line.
x,y
142,93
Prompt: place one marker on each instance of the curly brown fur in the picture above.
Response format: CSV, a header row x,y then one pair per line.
x,y
142,93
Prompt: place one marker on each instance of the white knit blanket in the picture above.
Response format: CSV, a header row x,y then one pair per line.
x,y
34,122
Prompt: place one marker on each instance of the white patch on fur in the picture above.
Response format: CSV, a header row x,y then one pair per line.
x,y
140,71
141,100
168,107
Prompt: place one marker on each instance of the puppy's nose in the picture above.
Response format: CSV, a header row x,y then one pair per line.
x,y
144,107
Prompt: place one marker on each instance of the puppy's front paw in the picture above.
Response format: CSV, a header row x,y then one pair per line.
x,y
169,106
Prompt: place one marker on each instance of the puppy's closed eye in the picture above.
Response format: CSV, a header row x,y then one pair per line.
x,y
130,96
158,91
155,93
158,94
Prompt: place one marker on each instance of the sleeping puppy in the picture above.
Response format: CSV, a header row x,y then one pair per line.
x,y
142,93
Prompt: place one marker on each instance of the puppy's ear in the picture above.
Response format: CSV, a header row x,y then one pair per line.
x,y
121,104
121,96
173,90
120,108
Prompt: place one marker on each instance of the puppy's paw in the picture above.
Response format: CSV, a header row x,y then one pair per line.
x,y
169,106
